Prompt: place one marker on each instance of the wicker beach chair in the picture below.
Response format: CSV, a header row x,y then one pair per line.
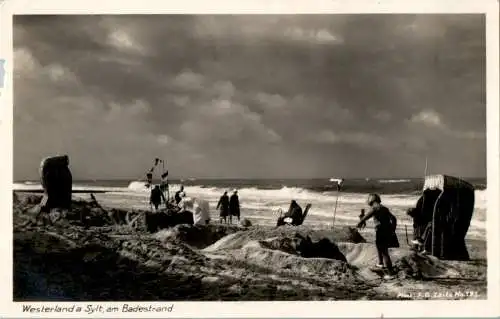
x,y
452,214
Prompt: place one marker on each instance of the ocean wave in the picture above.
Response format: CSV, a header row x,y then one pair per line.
x,y
139,186
268,197
390,181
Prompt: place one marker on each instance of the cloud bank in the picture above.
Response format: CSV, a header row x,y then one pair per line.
x,y
251,96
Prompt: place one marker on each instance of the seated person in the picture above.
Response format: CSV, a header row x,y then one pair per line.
x,y
422,216
293,216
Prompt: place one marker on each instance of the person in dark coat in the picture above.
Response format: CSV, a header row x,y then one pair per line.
x,y
385,232
295,212
223,206
293,216
157,197
234,207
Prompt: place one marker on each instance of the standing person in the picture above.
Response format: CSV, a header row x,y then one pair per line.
x,y
164,185
234,207
157,197
223,205
179,194
385,232
340,183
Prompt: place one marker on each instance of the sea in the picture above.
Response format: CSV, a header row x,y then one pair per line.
x,y
262,199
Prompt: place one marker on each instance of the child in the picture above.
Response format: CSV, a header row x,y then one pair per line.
x,y
385,236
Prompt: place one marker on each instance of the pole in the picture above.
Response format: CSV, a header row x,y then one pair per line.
x,y
161,177
406,231
335,210
339,186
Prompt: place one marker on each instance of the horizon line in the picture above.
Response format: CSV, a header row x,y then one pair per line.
x,y
261,178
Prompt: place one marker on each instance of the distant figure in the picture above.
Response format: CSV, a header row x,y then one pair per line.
x,y
157,197
234,207
340,184
385,232
223,206
179,194
164,184
56,180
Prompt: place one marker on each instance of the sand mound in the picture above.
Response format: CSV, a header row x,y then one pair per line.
x,y
115,262
304,247
289,251
86,213
407,263
197,236
259,253
95,272
365,255
420,266
239,239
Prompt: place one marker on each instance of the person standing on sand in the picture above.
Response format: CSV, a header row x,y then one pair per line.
x,y
223,205
157,197
385,232
234,207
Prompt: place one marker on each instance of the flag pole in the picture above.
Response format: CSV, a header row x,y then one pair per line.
x,y
339,186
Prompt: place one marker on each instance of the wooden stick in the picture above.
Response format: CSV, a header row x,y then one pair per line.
x,y
406,231
335,210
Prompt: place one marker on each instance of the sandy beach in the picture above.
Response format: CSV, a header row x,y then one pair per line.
x,y
100,261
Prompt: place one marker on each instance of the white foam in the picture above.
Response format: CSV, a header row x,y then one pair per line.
x,y
266,202
390,181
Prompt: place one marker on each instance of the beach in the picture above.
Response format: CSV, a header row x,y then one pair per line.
x,y
229,262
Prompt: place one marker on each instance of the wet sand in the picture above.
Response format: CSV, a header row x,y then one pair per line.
x,y
102,261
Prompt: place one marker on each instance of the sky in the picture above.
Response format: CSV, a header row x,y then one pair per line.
x,y
251,96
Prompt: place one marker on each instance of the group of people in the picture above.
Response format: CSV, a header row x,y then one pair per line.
x,y
157,197
228,207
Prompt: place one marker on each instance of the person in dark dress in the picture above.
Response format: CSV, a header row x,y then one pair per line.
x,y
385,232
223,206
234,207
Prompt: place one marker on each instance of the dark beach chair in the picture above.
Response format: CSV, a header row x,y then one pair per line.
x,y
453,209
295,222
304,215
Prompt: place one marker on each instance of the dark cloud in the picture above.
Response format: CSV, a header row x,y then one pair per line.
x,y
251,96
